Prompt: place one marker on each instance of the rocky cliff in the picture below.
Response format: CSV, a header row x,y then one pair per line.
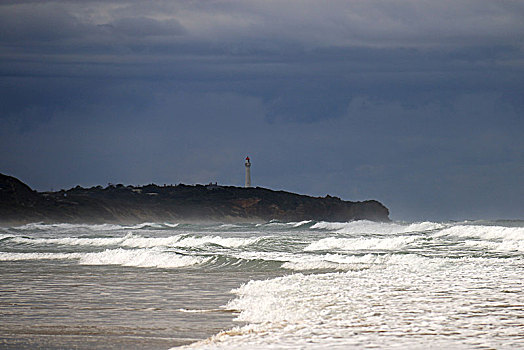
x,y
182,203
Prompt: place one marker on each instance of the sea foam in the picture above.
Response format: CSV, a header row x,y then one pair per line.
x,y
123,257
411,295
132,240
485,232
364,226
140,258
348,244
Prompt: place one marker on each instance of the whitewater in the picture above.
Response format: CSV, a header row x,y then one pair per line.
x,y
276,285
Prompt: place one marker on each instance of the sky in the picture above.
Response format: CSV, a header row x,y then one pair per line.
x,y
416,103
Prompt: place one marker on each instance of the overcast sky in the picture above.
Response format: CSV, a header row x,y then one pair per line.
x,y
416,103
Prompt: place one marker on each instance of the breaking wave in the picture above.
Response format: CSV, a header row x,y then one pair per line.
x,y
123,257
141,258
410,295
65,228
349,244
132,240
485,232
364,226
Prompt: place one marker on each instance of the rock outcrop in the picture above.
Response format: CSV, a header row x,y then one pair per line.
x,y
182,203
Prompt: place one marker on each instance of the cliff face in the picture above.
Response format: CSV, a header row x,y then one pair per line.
x,y
182,203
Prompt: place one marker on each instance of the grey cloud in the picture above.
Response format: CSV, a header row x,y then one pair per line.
x,y
369,23
309,23
44,24
142,26
295,87
39,24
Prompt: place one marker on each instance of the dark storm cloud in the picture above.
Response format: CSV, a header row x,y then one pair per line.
x,y
21,24
416,103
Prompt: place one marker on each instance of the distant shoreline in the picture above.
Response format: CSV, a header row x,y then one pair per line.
x,y
19,204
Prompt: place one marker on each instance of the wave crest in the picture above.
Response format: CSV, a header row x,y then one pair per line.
x,y
349,244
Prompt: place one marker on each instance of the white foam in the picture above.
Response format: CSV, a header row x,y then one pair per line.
x,y
407,303
226,242
5,256
76,241
282,299
124,257
275,224
349,244
143,225
369,261
131,240
323,225
335,262
304,262
228,226
301,223
69,227
323,265
504,246
185,241
266,256
484,232
140,258
93,227
365,226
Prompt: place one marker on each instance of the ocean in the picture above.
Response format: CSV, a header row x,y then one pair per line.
x,y
295,285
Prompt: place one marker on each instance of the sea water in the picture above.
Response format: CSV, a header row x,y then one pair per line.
x,y
299,285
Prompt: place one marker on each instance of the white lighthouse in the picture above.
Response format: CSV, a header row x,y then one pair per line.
x,y
248,172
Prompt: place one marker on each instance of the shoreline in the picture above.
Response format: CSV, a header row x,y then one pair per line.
x,y
120,204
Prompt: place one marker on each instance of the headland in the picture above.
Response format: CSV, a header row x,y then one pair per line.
x,y
19,204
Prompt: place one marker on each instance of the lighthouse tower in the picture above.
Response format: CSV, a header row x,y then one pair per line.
x,y
248,172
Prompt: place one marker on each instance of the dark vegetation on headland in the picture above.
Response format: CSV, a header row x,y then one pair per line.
x,y
19,204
